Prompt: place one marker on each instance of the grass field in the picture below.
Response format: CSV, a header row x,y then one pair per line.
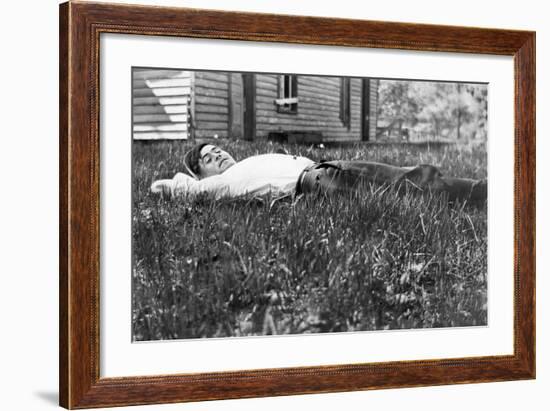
x,y
365,261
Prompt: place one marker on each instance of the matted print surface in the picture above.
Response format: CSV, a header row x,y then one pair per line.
x,y
275,203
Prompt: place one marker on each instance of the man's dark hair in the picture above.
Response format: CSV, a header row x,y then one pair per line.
x,y
191,160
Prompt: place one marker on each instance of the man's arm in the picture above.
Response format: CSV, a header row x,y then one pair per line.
x,y
184,185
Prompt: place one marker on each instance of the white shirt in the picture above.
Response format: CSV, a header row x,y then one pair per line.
x,y
275,174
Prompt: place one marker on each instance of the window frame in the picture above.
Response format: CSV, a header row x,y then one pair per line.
x,y
287,101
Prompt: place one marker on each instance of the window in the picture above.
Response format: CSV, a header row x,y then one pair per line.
x,y
288,94
345,102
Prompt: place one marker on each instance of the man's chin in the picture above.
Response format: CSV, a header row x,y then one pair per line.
x,y
226,164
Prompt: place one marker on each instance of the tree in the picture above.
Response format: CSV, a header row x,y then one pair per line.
x,y
442,109
396,100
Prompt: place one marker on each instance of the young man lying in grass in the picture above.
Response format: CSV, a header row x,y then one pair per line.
x,y
214,171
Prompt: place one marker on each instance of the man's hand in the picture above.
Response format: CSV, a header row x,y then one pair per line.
x,y
164,188
181,184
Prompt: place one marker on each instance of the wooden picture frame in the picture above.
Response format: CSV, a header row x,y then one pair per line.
x,y
80,27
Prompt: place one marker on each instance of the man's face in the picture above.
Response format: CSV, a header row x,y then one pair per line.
x,y
214,161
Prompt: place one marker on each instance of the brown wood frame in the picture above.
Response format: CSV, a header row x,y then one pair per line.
x,y
80,27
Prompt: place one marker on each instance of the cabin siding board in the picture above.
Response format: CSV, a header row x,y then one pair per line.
x,y
161,103
162,82
160,127
161,91
219,117
160,118
220,76
210,91
207,108
161,135
160,109
202,101
151,74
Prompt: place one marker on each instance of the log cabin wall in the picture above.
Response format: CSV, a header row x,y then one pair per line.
x,y
161,103
318,107
211,104
178,104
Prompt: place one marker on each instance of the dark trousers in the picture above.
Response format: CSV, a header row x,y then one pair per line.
x,y
341,176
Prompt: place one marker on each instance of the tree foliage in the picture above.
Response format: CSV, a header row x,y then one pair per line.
x,y
434,109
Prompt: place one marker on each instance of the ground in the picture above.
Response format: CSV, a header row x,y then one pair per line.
x,y
360,262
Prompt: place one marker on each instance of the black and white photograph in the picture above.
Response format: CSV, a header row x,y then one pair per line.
x,y
268,204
